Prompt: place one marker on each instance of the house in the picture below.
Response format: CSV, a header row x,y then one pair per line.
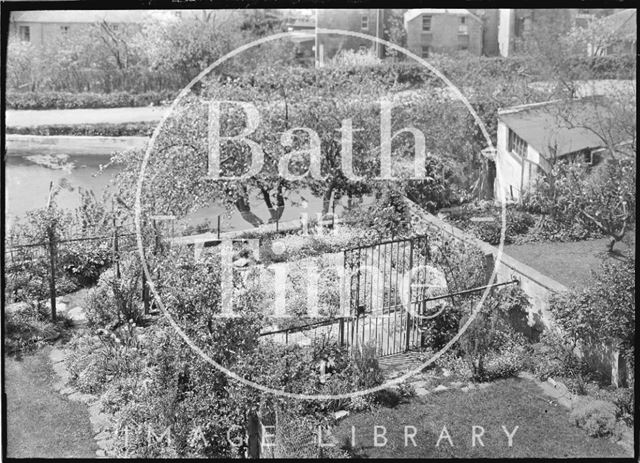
x,y
621,34
530,138
365,21
442,30
515,24
41,27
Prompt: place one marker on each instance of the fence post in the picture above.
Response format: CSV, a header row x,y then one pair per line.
x,y
145,293
408,344
116,250
218,226
341,331
52,276
253,435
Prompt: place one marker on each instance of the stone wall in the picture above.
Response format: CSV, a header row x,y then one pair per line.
x,y
538,287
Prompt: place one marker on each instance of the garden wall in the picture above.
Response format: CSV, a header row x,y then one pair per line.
x,y
538,287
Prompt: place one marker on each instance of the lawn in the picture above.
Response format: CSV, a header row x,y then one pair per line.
x,y
40,421
544,430
569,263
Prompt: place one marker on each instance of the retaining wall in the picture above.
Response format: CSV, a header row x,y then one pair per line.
x,y
538,287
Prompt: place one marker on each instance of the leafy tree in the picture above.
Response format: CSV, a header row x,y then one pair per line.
x,y
602,312
603,198
288,98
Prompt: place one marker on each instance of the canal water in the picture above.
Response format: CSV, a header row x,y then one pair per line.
x,y
28,178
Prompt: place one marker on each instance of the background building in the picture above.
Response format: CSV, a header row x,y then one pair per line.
x,y
434,30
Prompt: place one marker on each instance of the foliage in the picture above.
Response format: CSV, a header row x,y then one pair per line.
x,y
27,327
115,300
388,216
133,129
353,58
492,331
596,417
622,398
286,97
603,199
602,312
88,58
69,100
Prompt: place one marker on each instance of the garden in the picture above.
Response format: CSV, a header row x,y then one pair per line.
x,y
157,331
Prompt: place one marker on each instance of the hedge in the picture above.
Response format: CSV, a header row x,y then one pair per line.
x,y
409,72
129,129
65,100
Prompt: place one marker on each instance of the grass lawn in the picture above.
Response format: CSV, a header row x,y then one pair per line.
x,y
568,263
544,430
40,421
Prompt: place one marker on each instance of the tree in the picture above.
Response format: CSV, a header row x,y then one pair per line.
x,y
602,312
288,98
603,197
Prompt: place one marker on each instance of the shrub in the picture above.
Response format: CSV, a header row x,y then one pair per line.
x,y
603,312
553,356
96,361
30,326
504,364
622,398
83,261
596,417
457,365
297,437
492,332
116,300
67,100
129,129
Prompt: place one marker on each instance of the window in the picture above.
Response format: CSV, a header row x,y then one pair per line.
x,y
426,23
364,25
463,20
462,27
64,29
517,145
24,32
425,51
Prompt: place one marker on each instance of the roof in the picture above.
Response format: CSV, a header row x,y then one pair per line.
x,y
414,13
561,126
82,16
623,24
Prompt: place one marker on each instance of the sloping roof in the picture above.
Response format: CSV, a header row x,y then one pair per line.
x,y
560,125
414,13
82,16
623,23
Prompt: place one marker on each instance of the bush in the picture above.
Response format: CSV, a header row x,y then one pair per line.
x,y
96,361
596,417
25,329
114,300
130,129
622,398
84,261
67,100
504,364
554,357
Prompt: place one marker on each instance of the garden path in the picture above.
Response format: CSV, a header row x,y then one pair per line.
x,y
40,421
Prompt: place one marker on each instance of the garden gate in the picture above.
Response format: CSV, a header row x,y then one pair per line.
x,y
384,280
